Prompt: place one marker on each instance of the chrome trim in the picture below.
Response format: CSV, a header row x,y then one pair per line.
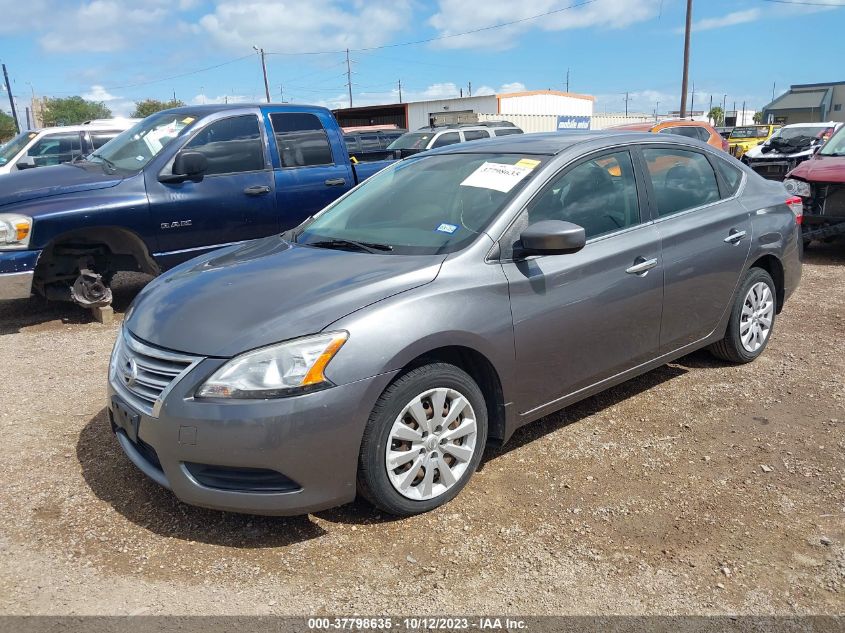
x,y
133,344
16,285
642,267
735,237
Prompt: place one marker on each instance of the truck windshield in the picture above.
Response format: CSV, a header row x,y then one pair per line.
x,y
422,206
137,146
13,147
412,140
836,145
750,132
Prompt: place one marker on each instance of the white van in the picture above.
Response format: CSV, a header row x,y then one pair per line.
x,y
55,145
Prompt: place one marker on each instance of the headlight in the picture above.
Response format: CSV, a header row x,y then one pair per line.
x,y
14,230
798,187
279,370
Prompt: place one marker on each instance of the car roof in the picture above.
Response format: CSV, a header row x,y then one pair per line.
x,y
118,124
545,143
824,124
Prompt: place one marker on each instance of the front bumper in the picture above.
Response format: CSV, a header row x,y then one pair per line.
x,y
311,440
17,269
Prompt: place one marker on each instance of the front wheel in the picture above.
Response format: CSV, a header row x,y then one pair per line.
x,y
752,320
424,439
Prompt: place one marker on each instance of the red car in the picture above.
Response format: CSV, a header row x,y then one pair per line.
x,y
820,181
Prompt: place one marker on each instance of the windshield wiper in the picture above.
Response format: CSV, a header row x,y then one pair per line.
x,y
367,247
105,160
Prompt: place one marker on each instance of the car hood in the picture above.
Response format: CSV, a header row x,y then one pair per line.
x,y
757,152
266,291
42,182
821,169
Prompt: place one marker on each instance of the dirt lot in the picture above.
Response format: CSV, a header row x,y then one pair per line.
x,y
697,488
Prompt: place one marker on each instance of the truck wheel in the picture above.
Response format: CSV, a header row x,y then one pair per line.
x,y
752,320
424,439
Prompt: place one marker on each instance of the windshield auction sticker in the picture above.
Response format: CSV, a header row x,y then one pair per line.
x,y
496,176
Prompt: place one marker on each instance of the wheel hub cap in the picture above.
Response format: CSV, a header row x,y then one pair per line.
x,y
758,311
431,444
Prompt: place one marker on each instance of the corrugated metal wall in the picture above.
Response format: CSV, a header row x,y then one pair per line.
x,y
548,122
419,111
546,104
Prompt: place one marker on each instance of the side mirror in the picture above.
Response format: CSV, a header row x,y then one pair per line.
x,y
187,165
553,237
26,162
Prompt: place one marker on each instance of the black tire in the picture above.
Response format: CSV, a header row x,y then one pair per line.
x,y
730,348
373,481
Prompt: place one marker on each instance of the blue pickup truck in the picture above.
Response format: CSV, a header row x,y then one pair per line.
x,y
179,183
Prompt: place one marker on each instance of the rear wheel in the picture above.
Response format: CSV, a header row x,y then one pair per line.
x,y
423,441
752,320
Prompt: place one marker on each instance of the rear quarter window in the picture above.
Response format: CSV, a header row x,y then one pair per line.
x,y
732,176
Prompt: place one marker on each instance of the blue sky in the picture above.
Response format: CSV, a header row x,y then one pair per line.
x,y
121,51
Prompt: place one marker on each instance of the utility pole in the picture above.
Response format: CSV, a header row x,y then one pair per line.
x,y
686,60
711,107
567,80
469,89
724,105
743,113
656,110
11,100
260,51
349,77
773,90
626,104
400,91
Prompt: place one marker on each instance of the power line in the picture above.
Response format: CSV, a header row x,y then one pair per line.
x,y
500,25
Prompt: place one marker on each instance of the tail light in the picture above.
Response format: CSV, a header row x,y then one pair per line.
x,y
796,205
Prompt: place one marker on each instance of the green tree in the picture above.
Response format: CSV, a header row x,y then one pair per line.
x,y
758,116
7,127
717,115
73,110
150,106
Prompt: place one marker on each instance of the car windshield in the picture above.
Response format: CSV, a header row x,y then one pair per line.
x,y
836,145
412,140
14,146
750,132
425,205
133,149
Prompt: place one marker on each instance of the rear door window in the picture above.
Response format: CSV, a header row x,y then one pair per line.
x,y
448,138
681,130
231,145
731,176
507,131
98,139
301,139
681,179
474,135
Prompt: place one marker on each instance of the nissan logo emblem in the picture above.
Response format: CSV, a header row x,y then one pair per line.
x,y
129,371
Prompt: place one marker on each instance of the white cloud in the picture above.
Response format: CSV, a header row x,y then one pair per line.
x,y
731,19
293,26
202,99
456,16
119,106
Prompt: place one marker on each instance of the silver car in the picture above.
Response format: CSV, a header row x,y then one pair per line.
x,y
442,304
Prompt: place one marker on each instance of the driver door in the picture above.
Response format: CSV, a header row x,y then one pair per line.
x,y
583,317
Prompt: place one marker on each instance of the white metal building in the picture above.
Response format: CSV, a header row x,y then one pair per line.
x,y
466,109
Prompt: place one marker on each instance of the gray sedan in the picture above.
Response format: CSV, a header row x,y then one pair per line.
x,y
442,304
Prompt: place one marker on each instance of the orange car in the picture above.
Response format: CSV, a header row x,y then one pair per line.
x,y
691,129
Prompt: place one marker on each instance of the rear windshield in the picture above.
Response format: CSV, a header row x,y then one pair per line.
x,y
424,205
412,140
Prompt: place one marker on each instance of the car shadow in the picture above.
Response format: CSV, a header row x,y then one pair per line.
x,y
360,512
826,253
24,313
115,480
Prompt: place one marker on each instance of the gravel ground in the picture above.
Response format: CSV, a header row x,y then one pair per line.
x,y
696,488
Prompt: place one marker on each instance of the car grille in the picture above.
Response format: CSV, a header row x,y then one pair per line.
x,y
144,374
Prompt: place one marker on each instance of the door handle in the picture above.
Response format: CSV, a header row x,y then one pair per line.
x,y
641,266
257,190
335,182
734,237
